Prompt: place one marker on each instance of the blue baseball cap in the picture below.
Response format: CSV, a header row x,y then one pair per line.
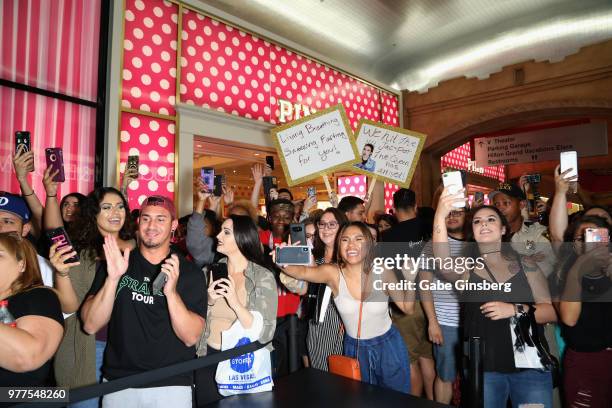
x,y
14,204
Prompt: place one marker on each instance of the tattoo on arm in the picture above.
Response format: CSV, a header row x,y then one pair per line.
x,y
437,229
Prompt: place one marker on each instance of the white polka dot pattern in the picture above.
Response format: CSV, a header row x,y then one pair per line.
x,y
352,186
149,60
458,159
388,191
390,111
152,140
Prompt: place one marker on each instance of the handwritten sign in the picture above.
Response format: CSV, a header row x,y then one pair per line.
x,y
387,152
314,145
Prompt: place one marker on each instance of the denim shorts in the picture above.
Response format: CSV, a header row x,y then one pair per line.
x,y
448,354
383,360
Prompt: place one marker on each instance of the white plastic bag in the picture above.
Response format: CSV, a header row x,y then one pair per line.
x,y
248,373
527,357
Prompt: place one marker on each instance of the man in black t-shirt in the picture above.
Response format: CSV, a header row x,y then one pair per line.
x,y
146,329
412,233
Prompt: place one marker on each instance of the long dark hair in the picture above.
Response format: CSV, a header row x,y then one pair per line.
x,y
318,246
80,198
247,239
369,249
84,231
506,250
557,281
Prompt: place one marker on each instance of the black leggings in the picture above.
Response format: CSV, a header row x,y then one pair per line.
x,y
206,386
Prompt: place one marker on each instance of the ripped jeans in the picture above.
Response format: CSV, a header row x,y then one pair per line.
x,y
532,388
383,360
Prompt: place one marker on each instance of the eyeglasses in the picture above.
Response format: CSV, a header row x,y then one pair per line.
x,y
579,238
455,214
309,236
328,225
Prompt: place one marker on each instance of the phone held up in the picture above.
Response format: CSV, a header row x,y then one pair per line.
x,y
297,233
23,142
453,180
270,162
59,235
208,177
218,271
219,182
293,255
55,160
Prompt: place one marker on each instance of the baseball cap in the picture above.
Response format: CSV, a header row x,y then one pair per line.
x,y
15,205
511,190
159,201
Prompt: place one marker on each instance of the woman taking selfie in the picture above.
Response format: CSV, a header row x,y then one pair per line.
x,y
488,313
249,287
32,332
383,358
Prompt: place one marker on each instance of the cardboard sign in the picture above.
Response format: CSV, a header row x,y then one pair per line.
x,y
387,152
314,145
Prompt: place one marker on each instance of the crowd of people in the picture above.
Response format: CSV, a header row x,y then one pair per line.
x,y
90,312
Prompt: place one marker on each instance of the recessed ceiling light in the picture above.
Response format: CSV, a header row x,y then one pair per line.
x,y
198,145
256,154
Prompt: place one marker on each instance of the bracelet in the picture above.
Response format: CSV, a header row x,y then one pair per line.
x,y
27,195
62,274
49,196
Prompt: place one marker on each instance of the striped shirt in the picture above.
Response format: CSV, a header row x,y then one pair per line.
x,y
446,302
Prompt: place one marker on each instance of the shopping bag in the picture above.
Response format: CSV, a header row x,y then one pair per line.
x,y
247,373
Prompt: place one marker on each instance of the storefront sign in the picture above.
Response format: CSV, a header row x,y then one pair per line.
x,y
321,143
587,139
387,152
292,111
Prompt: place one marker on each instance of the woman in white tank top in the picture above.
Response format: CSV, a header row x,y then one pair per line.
x,y
382,354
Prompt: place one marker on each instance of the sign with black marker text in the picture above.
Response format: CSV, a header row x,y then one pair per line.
x,y
320,143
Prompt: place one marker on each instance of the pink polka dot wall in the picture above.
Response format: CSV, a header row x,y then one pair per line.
x,y
221,68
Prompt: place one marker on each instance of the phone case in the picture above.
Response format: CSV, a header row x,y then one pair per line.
x,y
59,235
312,191
569,160
218,187
208,177
293,255
453,181
596,235
132,163
55,160
297,233
22,139
270,161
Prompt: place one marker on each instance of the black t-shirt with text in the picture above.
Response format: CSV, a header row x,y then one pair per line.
x,y
140,333
39,301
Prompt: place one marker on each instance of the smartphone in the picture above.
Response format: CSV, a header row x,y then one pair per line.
x,y
22,138
208,177
59,235
269,182
55,160
569,160
453,181
218,187
270,161
219,271
297,232
596,235
132,163
312,191
293,255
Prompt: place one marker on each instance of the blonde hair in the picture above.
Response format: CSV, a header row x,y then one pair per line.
x,y
22,250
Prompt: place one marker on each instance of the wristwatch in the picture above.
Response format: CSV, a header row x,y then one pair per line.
x,y
519,309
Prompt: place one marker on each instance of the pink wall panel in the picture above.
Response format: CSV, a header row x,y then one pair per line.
x,y
52,123
224,68
153,141
390,109
389,190
149,60
50,47
458,159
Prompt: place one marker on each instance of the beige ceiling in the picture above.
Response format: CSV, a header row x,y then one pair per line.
x,y
414,44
